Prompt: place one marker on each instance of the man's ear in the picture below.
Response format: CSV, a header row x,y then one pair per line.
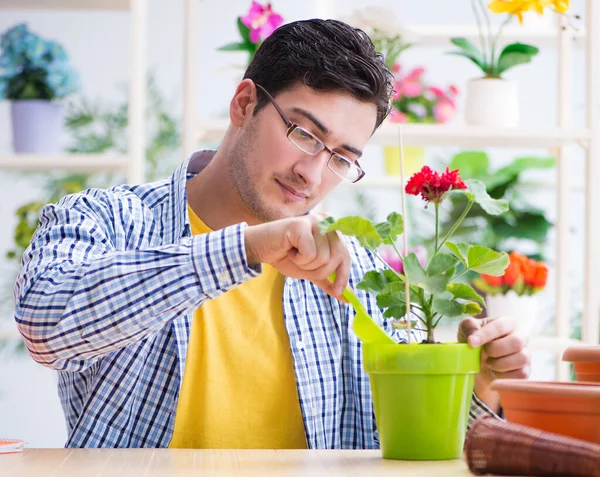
x,y
243,102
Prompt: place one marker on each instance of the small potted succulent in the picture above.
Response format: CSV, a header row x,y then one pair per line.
x,y
492,100
35,74
437,376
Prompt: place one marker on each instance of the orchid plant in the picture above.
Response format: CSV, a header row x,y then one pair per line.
x,y
34,68
435,288
415,101
486,57
254,27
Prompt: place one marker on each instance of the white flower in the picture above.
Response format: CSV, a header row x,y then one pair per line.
x,y
381,19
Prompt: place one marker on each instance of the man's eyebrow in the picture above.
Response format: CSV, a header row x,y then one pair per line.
x,y
308,115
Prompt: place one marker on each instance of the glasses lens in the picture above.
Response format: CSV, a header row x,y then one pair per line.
x,y
305,141
344,167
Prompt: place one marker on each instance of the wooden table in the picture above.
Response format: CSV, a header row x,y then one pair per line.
x,y
201,463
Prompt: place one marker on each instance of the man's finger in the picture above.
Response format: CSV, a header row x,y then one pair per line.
x,y
509,363
505,346
492,330
522,373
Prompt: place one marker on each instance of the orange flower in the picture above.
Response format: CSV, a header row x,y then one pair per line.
x,y
492,281
539,275
516,269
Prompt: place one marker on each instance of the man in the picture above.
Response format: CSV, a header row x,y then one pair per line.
x,y
196,312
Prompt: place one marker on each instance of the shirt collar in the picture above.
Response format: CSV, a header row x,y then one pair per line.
x,y
177,202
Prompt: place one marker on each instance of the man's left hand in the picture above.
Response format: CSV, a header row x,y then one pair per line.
x,y
503,354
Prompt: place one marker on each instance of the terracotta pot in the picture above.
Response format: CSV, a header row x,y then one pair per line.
x,y
570,409
586,361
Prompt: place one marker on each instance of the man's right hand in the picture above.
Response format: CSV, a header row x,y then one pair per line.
x,y
296,248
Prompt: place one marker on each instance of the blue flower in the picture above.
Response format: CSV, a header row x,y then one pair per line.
x,y
29,57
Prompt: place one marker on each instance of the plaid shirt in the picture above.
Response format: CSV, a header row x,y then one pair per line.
x,y
106,296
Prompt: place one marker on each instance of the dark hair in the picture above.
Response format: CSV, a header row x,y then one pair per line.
x,y
325,55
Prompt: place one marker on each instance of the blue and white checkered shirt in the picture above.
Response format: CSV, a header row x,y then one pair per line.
x,y
106,296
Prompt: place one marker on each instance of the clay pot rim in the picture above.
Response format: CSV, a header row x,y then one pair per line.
x,y
584,353
555,388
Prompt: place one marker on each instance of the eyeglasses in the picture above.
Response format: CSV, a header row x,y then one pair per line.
x,y
310,144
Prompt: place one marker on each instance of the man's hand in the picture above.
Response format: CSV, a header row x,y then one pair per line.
x,y
503,353
297,249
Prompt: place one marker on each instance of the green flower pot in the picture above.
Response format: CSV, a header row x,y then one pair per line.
x,y
422,396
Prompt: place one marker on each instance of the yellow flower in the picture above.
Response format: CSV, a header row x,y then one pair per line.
x,y
518,7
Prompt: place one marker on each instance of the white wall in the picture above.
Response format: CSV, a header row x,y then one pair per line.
x,y
98,45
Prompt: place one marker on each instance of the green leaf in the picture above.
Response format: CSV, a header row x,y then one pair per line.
x,y
446,306
469,50
417,276
459,250
473,58
465,292
472,308
471,164
376,280
244,30
391,228
234,47
393,300
524,225
480,259
488,261
513,55
491,206
440,264
354,226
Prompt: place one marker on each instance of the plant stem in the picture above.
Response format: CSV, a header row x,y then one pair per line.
x,y
489,28
495,42
456,224
437,224
481,36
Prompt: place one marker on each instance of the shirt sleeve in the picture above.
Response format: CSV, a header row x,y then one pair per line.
x,y
478,409
90,283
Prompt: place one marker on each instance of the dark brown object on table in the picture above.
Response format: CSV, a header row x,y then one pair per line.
x,y
494,446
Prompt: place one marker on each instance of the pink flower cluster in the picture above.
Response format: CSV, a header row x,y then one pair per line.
x,y
416,102
262,21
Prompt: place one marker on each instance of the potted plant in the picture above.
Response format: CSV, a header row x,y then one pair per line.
x,y
254,27
35,74
515,292
439,376
492,100
416,101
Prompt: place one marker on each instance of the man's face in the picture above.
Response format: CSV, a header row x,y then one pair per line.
x,y
273,177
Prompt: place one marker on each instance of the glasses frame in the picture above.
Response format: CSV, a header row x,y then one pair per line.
x,y
291,127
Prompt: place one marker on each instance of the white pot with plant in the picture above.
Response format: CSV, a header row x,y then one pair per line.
x,y
493,100
35,75
515,293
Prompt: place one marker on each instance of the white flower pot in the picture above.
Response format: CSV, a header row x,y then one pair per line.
x,y
492,102
37,126
524,309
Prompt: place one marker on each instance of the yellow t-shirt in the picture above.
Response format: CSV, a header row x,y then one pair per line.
x,y
239,388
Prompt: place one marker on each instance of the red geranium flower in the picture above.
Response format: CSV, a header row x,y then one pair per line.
x,y
433,185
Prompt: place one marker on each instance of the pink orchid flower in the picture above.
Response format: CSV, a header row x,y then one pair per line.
x,y
416,73
262,21
444,111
